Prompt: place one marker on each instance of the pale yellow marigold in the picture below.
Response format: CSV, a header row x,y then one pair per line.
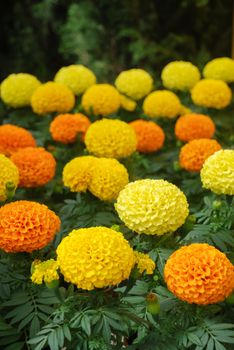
x,y
9,174
45,271
221,68
153,207
162,103
111,138
17,89
95,257
217,173
211,93
180,75
144,263
127,103
135,83
76,77
101,99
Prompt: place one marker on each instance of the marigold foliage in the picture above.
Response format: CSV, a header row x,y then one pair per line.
x,y
162,103
8,174
45,271
144,263
127,103
221,68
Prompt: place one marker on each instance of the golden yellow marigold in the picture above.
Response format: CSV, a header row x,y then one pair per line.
x,y
111,139
180,75
26,226
65,127
221,68
217,172
52,97
211,93
144,263
95,257
150,136
17,89
127,103
101,99
199,274
76,77
162,103
45,271
135,83
153,207
8,174
36,166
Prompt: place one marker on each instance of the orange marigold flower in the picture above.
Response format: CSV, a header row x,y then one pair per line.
x,y
36,166
65,127
150,137
193,126
26,226
13,137
199,274
194,153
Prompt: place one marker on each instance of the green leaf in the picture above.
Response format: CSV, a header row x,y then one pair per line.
x,y
210,344
53,341
194,339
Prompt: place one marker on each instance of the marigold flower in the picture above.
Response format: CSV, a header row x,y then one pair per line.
x,y
221,68
211,93
127,103
26,226
95,257
153,207
101,99
9,174
217,172
111,139
162,103
52,97
76,77
17,89
45,271
65,127
199,274
150,137
144,263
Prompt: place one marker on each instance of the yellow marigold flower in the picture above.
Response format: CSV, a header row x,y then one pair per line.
x,y
52,97
162,103
76,77
127,104
217,173
95,257
220,68
135,83
111,139
211,93
46,271
199,274
180,75
153,207
101,99
9,174
144,263
17,89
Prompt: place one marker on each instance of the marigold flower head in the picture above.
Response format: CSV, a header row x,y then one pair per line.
x,y
127,103
101,99
52,97
9,174
153,207
199,274
111,138
135,83
217,172
76,77
150,136
162,103
95,257
221,68
211,93
17,89
45,271
26,226
144,263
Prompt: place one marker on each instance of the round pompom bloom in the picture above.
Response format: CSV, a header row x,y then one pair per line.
x,y
111,138
36,166
135,83
17,89
194,153
194,126
211,93
162,103
199,274
101,99
150,137
153,207
217,172
9,175
65,127
95,257
26,226
13,138
220,68
76,77
144,263
52,97
45,271
127,103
